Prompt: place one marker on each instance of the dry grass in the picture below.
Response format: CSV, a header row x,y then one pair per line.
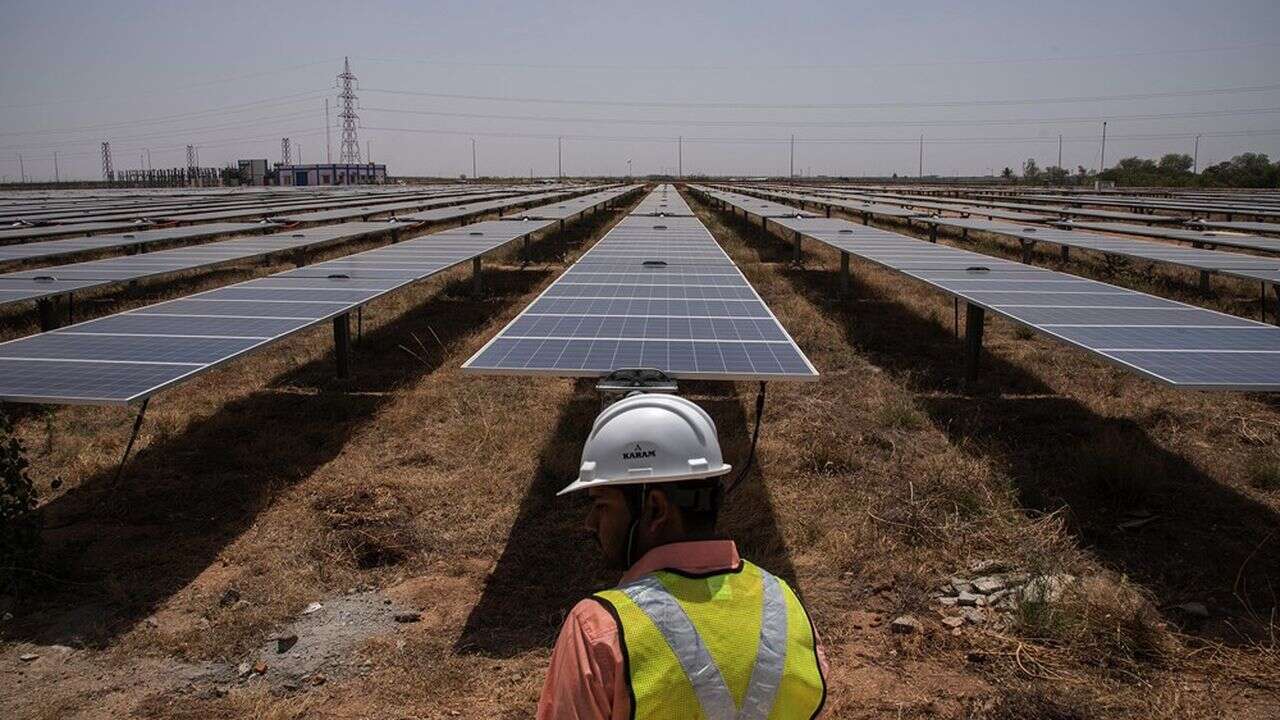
x,y
873,485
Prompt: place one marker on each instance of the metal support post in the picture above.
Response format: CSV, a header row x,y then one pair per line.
x,y
844,273
799,249
133,436
342,345
933,232
828,211
46,308
1204,282
973,321
476,285
1066,253
1026,251
866,218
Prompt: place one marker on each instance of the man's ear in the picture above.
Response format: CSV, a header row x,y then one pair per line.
x,y
659,511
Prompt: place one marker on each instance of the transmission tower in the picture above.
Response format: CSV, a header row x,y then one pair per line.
x,y
107,173
286,155
191,158
349,151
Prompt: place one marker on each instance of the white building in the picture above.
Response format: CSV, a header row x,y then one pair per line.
x,y
331,174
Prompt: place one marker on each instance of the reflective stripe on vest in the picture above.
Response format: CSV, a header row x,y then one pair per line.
x,y
650,613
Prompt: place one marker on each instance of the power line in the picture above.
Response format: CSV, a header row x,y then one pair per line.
x,y
153,120
839,123
841,106
155,93
838,66
827,141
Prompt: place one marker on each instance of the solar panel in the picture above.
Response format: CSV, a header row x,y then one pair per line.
x,y
664,200
45,282
655,292
469,209
1250,267
1262,228
862,207
44,232
752,206
125,357
390,208
137,239
1195,237
571,207
1120,325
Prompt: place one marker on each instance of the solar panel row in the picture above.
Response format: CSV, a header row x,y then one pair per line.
x,y
654,292
1175,343
130,356
138,240
45,282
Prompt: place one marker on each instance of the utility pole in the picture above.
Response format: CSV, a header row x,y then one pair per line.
x,y
474,171
286,155
921,170
191,165
628,168
328,151
349,153
55,167
680,157
792,172
1059,149
1195,156
368,154
1102,162
148,158
560,158
297,153
22,169
107,173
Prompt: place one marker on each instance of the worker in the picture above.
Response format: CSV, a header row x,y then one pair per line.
x,y
693,630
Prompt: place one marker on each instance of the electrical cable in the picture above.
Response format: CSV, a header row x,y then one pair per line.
x,y
755,436
840,106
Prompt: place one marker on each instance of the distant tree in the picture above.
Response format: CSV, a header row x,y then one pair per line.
x,y
1055,174
1007,173
1245,170
1030,170
1081,171
1176,163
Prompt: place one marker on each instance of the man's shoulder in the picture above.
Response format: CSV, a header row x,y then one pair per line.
x,y
594,618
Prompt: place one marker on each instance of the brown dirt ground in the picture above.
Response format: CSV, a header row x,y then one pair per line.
x,y
434,490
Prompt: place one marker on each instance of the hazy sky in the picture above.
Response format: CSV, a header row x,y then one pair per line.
x,y
988,84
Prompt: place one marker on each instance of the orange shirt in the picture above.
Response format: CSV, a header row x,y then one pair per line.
x,y
586,679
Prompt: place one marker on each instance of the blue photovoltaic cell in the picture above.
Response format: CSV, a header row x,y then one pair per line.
x,y
655,292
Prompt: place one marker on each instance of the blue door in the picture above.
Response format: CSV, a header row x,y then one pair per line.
x,y
300,177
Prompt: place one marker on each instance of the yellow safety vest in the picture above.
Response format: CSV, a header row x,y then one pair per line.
x,y
736,645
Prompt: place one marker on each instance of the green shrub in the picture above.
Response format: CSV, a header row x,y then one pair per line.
x,y
19,529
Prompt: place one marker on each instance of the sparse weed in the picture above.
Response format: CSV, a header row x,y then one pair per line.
x,y
1264,473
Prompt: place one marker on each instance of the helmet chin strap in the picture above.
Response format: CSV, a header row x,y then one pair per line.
x,y
635,523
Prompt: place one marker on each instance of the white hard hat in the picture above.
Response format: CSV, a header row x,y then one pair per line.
x,y
649,438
